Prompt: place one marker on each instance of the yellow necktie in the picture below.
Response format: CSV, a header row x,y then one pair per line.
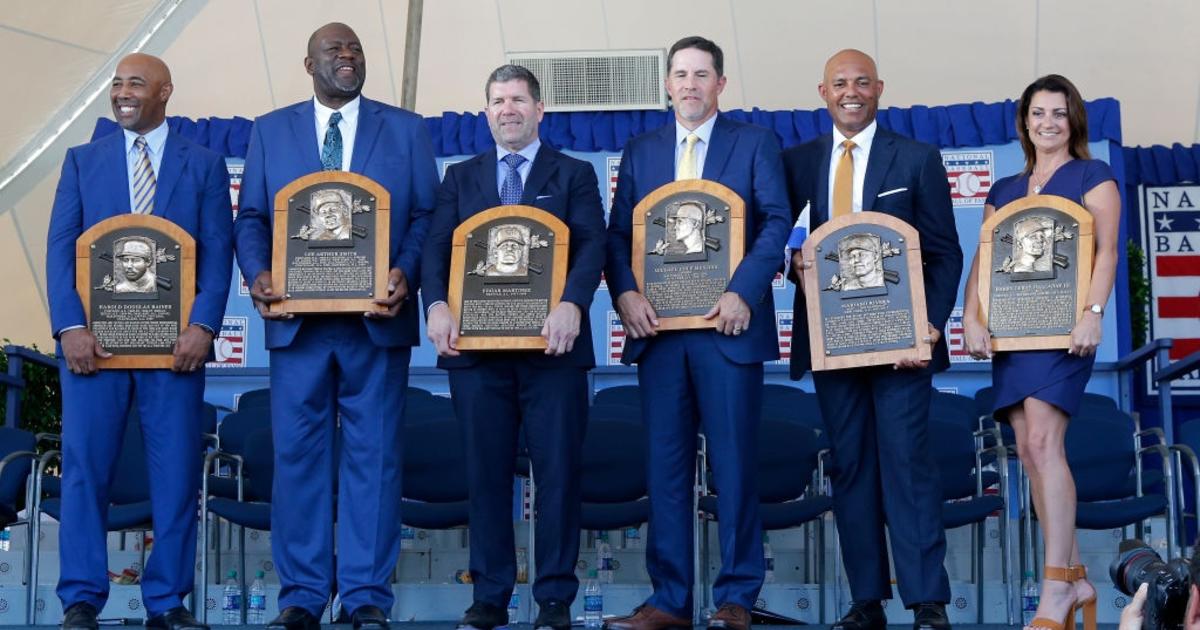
x,y
843,182
687,163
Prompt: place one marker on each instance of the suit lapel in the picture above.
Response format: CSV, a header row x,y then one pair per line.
x,y
175,154
304,131
883,151
661,169
820,213
115,173
543,167
720,147
369,123
489,187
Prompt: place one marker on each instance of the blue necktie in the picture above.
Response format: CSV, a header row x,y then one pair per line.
x,y
331,152
511,192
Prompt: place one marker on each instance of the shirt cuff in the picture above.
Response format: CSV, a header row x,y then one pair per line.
x,y
430,308
65,329
205,328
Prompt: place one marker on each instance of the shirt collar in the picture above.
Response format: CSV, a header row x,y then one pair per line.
x,y
529,152
349,111
862,139
704,131
155,139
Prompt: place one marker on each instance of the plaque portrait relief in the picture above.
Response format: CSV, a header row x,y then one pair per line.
x,y
508,248
688,238
508,267
1035,263
134,266
685,231
331,216
1033,248
860,265
330,243
870,306
135,275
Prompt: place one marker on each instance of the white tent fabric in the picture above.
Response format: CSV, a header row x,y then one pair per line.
x,y
244,57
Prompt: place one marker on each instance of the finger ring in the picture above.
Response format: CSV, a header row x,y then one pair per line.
x,y
737,330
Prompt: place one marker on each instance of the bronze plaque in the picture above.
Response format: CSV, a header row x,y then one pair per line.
x,y
508,267
136,276
1035,268
865,292
330,248
688,238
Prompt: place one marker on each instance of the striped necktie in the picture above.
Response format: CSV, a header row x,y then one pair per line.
x,y
143,179
331,151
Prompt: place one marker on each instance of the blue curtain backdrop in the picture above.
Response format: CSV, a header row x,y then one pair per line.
x,y
948,126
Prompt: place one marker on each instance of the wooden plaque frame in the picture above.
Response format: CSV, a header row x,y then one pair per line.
x,y
922,351
1085,252
458,271
187,279
382,235
737,238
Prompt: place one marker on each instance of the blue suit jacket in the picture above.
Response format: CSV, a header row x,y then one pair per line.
x,y
391,146
744,158
923,201
557,183
192,191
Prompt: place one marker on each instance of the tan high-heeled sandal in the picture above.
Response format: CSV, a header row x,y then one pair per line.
x,y
1079,572
1068,575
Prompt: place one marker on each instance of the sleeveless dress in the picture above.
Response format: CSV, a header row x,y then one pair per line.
x,y
1051,376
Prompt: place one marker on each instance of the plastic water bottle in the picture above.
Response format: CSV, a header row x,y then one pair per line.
x,y
593,603
768,560
5,539
408,537
633,538
604,559
231,601
514,607
1029,599
256,611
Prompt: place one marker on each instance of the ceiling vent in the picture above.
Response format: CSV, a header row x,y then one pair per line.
x,y
578,81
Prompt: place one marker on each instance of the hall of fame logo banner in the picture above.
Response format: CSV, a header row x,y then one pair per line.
x,y
956,340
616,338
230,346
236,167
783,321
1171,228
614,167
970,174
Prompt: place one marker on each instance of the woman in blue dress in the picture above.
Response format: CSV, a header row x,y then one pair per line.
x,y
1037,391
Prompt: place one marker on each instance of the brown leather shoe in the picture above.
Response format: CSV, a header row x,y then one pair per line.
x,y
647,617
730,617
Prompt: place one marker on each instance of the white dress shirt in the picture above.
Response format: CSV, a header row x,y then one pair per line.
x,y
347,126
704,132
862,152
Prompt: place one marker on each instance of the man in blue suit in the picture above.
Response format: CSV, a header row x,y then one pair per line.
x,y
707,379
146,169
878,416
497,394
333,373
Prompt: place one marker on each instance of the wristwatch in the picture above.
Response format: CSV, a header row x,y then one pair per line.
x,y
1095,308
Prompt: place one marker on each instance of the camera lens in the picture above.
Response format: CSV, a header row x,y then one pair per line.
x,y
1135,563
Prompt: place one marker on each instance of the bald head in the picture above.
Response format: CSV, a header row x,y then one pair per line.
x,y
851,89
141,87
336,63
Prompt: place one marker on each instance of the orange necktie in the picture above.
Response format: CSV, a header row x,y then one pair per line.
x,y
843,182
